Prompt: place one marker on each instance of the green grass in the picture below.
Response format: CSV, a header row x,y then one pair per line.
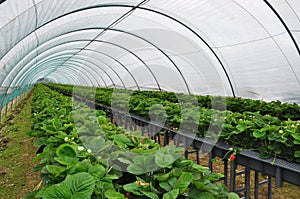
x,y
16,176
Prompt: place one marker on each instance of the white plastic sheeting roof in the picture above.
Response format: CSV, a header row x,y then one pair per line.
x,y
246,48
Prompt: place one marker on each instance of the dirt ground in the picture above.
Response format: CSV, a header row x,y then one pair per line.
x,y
288,191
16,154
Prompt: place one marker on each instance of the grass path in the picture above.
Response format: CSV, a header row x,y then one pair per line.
x,y
16,176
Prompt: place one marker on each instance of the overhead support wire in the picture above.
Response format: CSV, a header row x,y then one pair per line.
x,y
109,27
203,40
29,74
125,32
284,24
60,57
117,21
150,10
272,37
114,59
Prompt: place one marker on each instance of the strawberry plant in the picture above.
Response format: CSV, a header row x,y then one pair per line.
x,y
81,154
249,124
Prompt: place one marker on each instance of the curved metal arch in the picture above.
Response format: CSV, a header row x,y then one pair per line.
x,y
129,33
202,39
48,60
70,71
80,80
75,62
111,68
28,75
2,102
148,68
105,64
134,35
74,66
1,1
284,24
102,70
101,41
85,60
186,26
121,47
27,62
101,6
176,20
60,57
274,40
35,68
114,59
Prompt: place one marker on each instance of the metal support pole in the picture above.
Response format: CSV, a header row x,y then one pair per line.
x,y
270,187
158,135
279,182
247,183
256,185
166,138
210,162
197,158
226,172
232,176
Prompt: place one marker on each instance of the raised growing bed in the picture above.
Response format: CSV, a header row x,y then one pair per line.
x,y
282,170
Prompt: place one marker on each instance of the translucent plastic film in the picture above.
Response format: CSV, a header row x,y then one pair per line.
x,y
247,48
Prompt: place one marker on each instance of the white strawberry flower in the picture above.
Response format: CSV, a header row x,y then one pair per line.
x,y
80,148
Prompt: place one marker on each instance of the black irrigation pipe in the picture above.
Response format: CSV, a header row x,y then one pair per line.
x,y
282,170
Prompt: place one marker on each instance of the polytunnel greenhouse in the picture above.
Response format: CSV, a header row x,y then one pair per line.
x,y
150,99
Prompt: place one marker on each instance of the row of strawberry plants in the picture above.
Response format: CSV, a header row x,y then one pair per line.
x,y
267,134
83,155
283,111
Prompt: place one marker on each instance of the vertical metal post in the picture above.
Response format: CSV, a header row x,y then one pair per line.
x,y
158,135
197,154
210,162
232,176
185,143
247,183
256,185
279,182
226,172
166,138
186,154
270,187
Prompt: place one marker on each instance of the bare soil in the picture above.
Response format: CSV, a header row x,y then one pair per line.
x,y
16,154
